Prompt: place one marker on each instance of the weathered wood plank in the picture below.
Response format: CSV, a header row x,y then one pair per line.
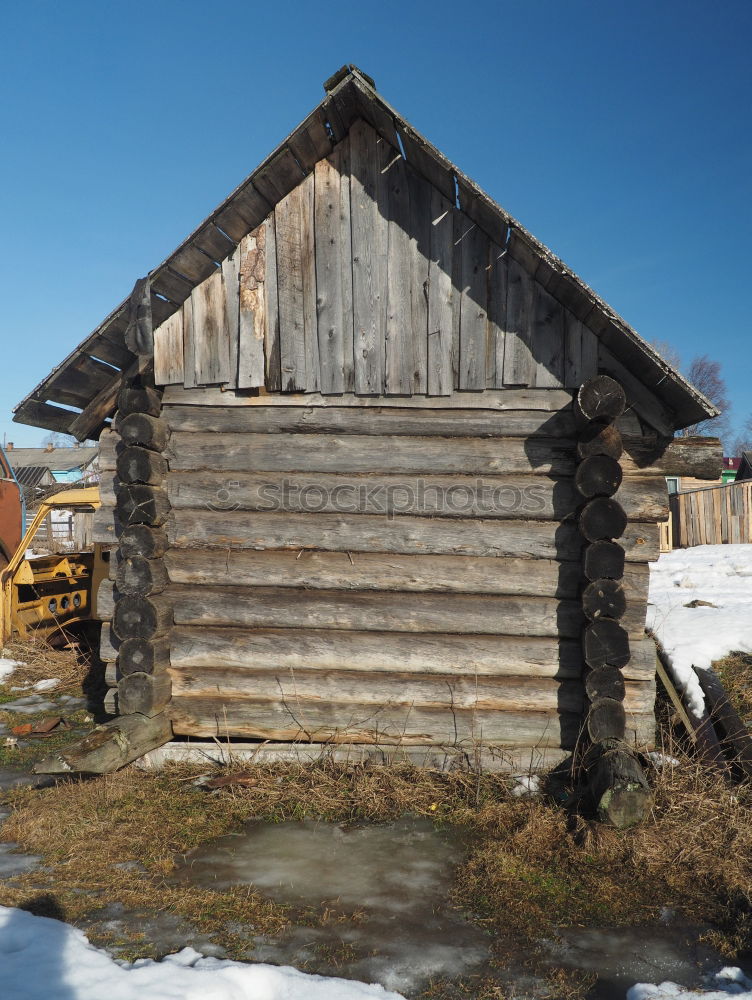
x,y
474,257
252,309
168,351
329,268
398,347
230,529
371,420
231,286
293,650
549,400
209,332
519,366
189,354
296,284
368,453
508,497
220,718
360,689
370,610
639,398
419,233
548,339
376,571
497,316
369,244
271,298
110,746
441,249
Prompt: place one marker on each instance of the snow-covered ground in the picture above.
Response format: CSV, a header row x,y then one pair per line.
x,y
728,982
43,959
721,576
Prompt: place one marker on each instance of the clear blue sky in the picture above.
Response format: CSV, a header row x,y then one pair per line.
x,y
617,132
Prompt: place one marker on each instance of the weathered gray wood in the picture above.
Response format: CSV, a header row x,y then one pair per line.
x,y
606,720
110,746
618,785
110,702
399,360
109,487
143,540
367,453
419,234
535,539
602,518
534,498
371,420
519,367
439,351
361,689
105,526
252,309
606,643
697,457
148,656
639,397
189,354
210,333
600,398
371,610
497,316
733,734
109,449
389,725
392,726
608,682
331,270
604,599
548,343
141,617
138,399
574,367
137,575
293,650
369,247
513,398
146,694
474,255
600,438
377,571
603,559
598,476
104,603
231,288
109,644
271,299
278,175
140,504
141,429
296,285
139,465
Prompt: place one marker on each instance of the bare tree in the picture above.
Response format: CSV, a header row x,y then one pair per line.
x,y
743,441
706,376
58,440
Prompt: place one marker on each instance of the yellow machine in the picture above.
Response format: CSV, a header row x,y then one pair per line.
x,y
52,579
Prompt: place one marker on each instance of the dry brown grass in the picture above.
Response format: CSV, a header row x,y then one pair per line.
x,y
735,671
39,661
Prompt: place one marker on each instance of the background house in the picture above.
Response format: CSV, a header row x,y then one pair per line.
x,y
40,467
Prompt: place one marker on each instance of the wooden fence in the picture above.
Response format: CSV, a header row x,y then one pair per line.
x,y
714,515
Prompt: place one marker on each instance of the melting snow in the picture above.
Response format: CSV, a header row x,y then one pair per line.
x,y
696,636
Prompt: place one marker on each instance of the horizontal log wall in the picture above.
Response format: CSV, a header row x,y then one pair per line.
x,y
324,588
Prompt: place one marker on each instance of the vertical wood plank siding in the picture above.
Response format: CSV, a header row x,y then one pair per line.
x,y
366,278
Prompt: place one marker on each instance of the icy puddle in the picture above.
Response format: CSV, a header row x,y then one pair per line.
x,y
392,880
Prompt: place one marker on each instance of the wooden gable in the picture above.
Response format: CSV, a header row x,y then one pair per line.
x,y
366,279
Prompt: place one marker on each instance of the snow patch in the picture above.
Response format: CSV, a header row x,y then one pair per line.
x,y
37,953
696,637
7,667
730,981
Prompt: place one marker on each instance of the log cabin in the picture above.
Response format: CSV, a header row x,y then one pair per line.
x,y
379,472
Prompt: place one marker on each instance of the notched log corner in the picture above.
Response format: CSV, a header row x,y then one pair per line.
x,y
110,746
617,784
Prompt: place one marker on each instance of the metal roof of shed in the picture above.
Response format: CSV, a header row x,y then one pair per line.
x,y
83,387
